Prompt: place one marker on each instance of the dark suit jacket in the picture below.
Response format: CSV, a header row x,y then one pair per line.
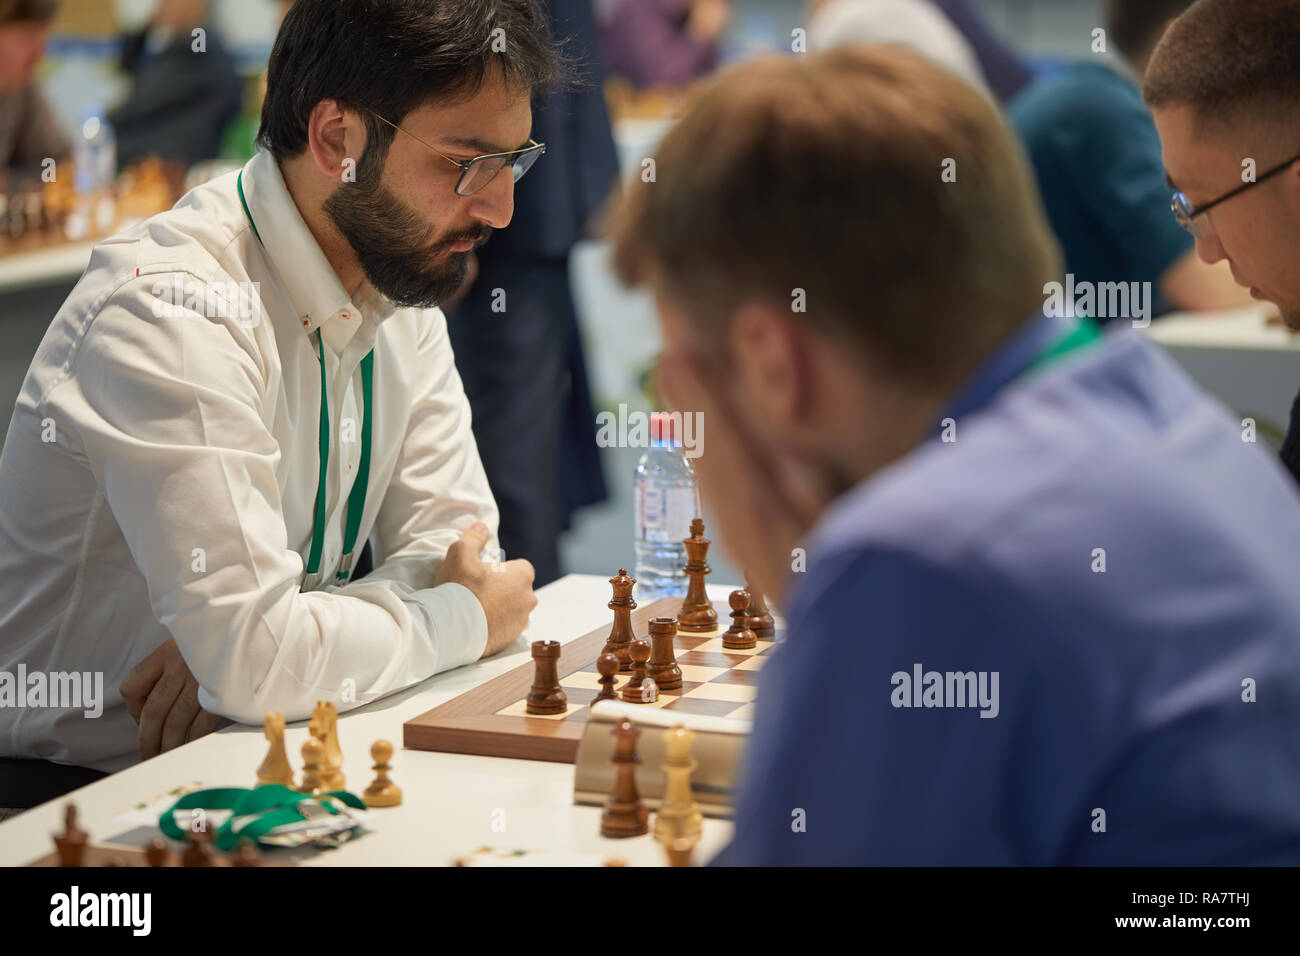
x,y
562,193
180,100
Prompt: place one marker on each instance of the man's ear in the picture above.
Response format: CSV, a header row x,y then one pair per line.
x,y
771,364
336,137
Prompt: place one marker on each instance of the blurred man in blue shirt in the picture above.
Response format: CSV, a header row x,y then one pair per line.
x,y
1096,155
1039,588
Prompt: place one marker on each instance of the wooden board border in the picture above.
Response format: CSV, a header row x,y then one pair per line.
x,y
470,724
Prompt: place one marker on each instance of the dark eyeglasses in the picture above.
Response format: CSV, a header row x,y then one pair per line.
x,y
1187,214
481,170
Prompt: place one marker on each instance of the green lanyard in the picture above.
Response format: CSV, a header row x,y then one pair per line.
x,y
1084,333
271,806
357,497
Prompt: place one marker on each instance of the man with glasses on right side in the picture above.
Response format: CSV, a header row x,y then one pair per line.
x,y
1224,90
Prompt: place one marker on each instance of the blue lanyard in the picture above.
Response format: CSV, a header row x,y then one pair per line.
x,y
357,497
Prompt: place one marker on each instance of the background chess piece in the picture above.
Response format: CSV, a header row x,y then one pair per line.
x,y
71,845
275,768
697,613
326,717
312,754
739,636
246,855
156,853
382,792
679,822
624,815
761,621
200,851
546,696
607,665
662,666
634,691
621,635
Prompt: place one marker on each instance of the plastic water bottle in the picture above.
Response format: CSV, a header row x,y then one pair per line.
x,y
94,157
667,497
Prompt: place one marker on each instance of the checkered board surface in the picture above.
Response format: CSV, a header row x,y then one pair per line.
x,y
716,681
491,719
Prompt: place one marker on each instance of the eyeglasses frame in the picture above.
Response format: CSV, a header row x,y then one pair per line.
x,y
1187,215
464,167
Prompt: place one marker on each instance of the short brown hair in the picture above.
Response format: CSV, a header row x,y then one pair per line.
x,y
1224,58
28,11
825,173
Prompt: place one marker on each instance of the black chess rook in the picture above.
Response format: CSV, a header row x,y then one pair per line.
x,y
546,696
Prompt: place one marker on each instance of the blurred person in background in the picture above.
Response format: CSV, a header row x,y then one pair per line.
x,y
522,365
663,42
1005,70
1096,154
184,88
917,25
1223,89
29,132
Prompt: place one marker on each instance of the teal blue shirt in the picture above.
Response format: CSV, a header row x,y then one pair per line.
x,y
1096,155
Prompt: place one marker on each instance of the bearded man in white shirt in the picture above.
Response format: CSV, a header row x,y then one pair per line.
x,y
242,391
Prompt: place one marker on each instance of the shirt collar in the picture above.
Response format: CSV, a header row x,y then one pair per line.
x,y
1010,359
313,286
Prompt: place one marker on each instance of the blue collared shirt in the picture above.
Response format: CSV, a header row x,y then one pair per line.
x,y
1071,636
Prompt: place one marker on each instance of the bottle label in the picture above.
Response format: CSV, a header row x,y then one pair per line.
x,y
664,514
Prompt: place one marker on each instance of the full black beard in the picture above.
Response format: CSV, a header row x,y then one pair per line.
x,y
396,250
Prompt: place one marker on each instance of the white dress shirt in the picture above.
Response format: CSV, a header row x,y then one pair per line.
x,y
159,479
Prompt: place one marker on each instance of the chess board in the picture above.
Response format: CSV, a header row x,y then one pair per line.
x,y
95,855
108,856
490,720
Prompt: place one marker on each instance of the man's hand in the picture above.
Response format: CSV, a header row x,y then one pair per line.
x,y
505,589
163,698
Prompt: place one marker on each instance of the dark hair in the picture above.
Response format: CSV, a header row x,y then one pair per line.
x,y
1135,25
845,198
392,56
1223,57
29,11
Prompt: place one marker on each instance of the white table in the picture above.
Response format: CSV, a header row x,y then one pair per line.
x,y
1250,366
450,801
64,262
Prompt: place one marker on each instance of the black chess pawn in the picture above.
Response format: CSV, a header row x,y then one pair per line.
x,y
246,855
200,851
72,844
624,814
156,853
639,689
607,664
761,621
739,636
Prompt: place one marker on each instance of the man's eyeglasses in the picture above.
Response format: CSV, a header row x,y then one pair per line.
x,y
481,170
1187,214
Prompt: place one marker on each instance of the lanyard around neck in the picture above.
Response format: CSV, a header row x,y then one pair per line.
x,y
357,497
